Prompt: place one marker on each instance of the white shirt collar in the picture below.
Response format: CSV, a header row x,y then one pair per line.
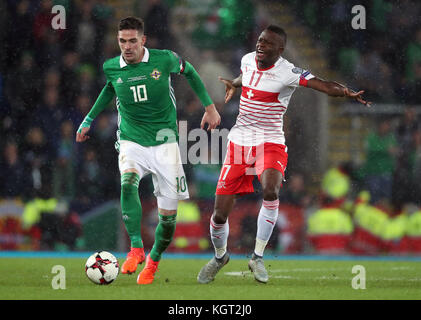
x,y
144,59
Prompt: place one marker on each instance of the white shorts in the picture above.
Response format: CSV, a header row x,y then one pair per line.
x,y
162,161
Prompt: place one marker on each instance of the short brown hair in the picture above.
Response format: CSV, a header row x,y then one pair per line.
x,y
131,23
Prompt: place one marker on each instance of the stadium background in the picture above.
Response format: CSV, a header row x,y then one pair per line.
x,y
353,174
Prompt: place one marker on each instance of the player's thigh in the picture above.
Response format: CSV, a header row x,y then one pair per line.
x,y
168,174
236,176
131,158
224,204
271,156
235,179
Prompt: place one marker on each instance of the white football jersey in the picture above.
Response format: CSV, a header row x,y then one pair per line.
x,y
264,100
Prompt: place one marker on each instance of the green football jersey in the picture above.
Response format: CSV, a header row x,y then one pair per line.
x,y
144,97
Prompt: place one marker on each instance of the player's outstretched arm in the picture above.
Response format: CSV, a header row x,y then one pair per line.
x,y
231,86
101,103
82,131
211,116
335,89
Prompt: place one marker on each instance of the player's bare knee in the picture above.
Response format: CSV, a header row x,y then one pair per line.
x,y
270,193
130,170
165,212
220,216
223,207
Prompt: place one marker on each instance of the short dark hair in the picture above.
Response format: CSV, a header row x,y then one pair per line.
x,y
278,30
130,23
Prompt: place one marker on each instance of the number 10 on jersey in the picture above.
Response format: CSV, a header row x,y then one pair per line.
x,y
139,93
181,184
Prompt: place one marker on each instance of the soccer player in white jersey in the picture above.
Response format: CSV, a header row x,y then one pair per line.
x,y
257,143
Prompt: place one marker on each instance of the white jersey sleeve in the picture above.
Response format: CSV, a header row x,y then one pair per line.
x,y
296,76
264,99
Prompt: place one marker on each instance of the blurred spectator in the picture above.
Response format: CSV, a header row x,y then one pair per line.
x,y
374,75
413,55
38,161
42,21
12,172
52,79
80,109
22,29
103,141
86,79
336,183
210,69
191,112
22,90
69,65
49,117
45,36
413,232
102,13
369,227
86,33
5,24
205,176
413,88
380,149
90,190
330,228
156,25
404,185
417,166
393,34
293,192
64,168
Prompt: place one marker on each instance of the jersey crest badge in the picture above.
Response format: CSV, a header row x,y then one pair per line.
x,y
156,74
297,70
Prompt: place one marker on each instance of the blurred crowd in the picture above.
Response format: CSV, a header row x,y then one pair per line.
x,y
384,58
50,79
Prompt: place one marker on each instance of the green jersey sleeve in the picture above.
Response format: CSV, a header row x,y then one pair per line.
x,y
104,98
178,65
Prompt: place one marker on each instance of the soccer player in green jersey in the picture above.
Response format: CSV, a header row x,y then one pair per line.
x,y
140,79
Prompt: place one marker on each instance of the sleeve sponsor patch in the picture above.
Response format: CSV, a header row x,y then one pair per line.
x,y
181,61
297,70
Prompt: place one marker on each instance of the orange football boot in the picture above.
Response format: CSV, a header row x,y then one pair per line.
x,y
134,257
147,275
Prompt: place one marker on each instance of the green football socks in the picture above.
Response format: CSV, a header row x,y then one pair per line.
x,y
131,207
163,236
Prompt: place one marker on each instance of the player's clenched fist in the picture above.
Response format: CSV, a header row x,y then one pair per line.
x,y
81,134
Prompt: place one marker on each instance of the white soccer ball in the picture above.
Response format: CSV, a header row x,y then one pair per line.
x,y
102,267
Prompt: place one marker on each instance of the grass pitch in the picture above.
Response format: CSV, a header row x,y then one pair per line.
x,y
290,278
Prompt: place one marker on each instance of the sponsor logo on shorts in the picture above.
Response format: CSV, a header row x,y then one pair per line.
x,y
221,185
281,165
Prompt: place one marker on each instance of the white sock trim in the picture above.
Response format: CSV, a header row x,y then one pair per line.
x,y
260,247
219,252
219,236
